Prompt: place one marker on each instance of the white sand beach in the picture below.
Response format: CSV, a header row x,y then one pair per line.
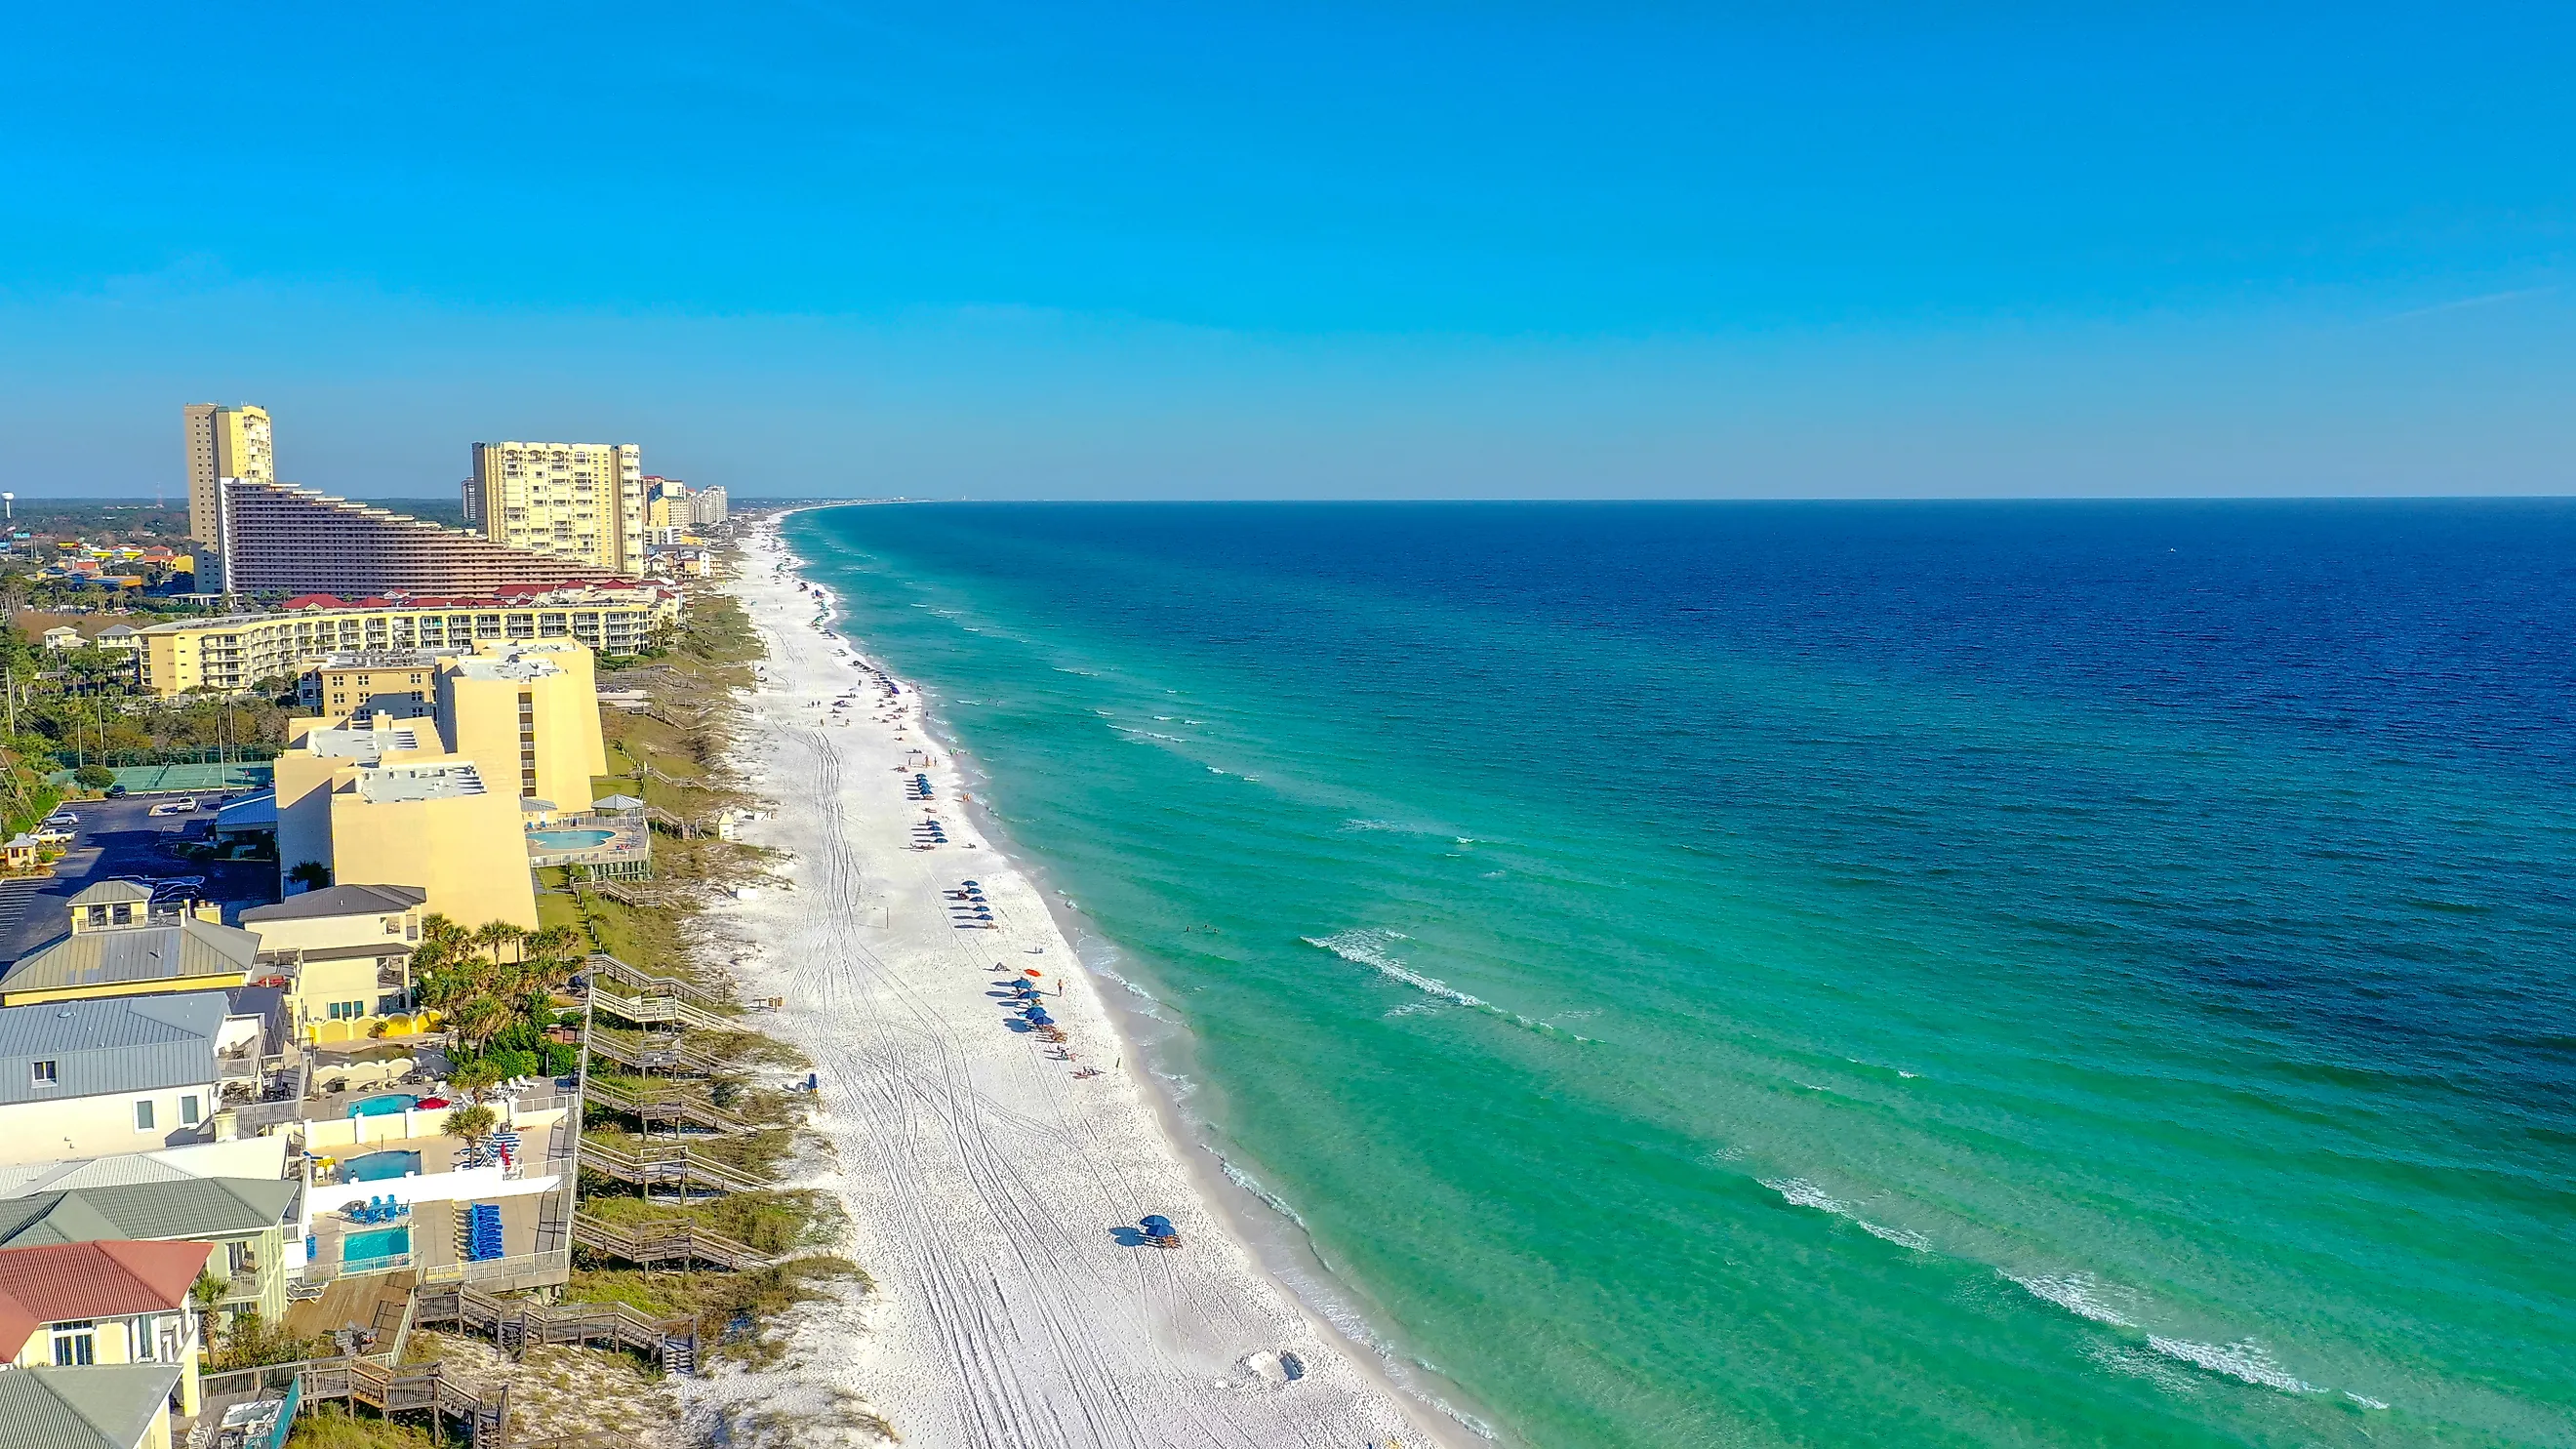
x,y
988,1181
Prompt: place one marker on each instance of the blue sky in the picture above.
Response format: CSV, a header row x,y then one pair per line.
x,y
1396,250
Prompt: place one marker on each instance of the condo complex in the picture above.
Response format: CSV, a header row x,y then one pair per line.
x,y
207,1121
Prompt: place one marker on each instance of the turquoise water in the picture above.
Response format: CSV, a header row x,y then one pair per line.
x,y
1760,975
569,839
379,1166
384,1105
373,1248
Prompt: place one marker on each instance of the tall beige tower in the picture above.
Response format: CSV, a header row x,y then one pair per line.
x,y
224,443
579,501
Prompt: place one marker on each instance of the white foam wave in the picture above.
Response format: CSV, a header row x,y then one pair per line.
x,y
1368,948
1245,1180
2365,1400
2146,1364
1901,1237
2244,1359
2078,1293
1801,1192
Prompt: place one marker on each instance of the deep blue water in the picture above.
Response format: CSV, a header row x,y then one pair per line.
x,y
1944,973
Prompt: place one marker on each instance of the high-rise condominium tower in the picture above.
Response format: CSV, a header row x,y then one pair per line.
x,y
579,501
224,443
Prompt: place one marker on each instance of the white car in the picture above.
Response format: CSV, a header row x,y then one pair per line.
x,y
62,820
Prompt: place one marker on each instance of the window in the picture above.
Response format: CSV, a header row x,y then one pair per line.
x,y
142,1116
347,1010
45,1074
393,925
75,1343
188,1111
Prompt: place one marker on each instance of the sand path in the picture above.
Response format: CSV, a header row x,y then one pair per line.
x,y
987,1181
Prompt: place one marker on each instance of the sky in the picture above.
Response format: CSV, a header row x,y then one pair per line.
x,y
1394,250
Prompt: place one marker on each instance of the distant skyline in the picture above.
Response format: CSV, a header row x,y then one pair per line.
x,y
1330,250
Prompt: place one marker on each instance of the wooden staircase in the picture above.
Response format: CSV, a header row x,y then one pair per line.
x,y
669,1108
666,1165
684,1244
516,1325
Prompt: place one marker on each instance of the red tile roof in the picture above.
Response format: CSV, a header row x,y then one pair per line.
x,y
93,1280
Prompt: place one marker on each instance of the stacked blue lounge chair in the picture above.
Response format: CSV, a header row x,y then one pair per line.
x,y
483,1232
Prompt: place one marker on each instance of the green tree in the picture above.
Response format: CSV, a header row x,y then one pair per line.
x,y
472,1123
313,875
93,777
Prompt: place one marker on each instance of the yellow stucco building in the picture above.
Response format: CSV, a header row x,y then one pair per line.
x,y
224,443
580,501
439,801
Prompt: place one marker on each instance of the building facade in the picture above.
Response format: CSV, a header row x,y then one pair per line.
x,y
582,502
275,537
122,1074
239,650
224,443
390,806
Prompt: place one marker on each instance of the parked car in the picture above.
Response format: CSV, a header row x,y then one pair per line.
x,y
116,792
62,820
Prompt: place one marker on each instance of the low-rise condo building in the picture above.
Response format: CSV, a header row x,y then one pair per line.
x,y
237,651
383,806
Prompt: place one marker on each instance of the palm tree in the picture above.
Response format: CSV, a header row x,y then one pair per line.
x,y
477,1020
472,1123
313,875
491,936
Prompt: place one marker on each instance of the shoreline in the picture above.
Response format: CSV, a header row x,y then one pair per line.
x,y
1217,1346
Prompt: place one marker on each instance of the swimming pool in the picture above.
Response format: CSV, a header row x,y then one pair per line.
x,y
378,1166
569,839
384,1104
379,1248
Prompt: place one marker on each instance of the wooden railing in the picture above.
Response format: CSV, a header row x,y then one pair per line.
x,y
667,1107
660,1165
600,963
657,1010
683,1244
660,1056
515,1324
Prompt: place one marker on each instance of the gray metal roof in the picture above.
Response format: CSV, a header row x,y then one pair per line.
x,y
339,900
109,892
194,1208
107,1407
169,951
119,1044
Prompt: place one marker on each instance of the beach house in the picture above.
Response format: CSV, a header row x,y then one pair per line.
x,y
244,1220
345,952
104,1304
89,1077
120,1407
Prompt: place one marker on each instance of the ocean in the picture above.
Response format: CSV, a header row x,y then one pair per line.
x,y
1829,974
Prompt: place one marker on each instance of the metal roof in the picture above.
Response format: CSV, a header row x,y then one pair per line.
x,y
110,892
339,900
114,1044
194,1207
109,955
107,1407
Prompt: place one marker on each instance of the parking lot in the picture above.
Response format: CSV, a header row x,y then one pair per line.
x,y
122,838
